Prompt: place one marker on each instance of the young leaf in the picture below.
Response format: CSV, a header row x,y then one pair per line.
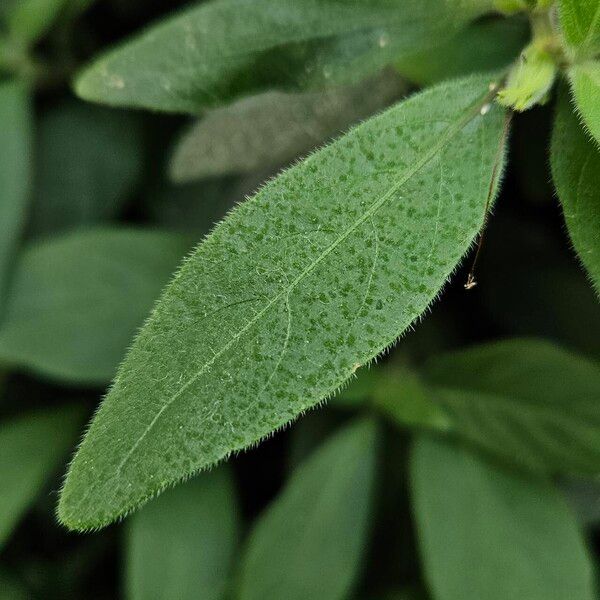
x,y
309,542
32,447
88,161
317,274
585,82
181,545
271,129
580,22
527,401
80,332
221,49
576,172
15,164
486,533
480,47
530,80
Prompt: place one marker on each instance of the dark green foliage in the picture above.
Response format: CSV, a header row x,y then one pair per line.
x,y
276,249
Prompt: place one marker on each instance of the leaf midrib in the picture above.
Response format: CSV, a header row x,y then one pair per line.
x,y
450,132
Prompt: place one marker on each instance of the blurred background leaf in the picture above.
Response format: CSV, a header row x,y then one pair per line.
x,y
309,542
486,533
80,333
33,447
182,545
15,171
88,163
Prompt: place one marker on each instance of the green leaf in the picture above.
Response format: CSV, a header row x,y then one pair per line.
x,y
317,274
486,533
15,165
28,20
88,161
80,332
218,50
398,393
309,542
576,173
482,46
10,589
32,448
585,82
531,79
526,401
182,544
271,129
580,22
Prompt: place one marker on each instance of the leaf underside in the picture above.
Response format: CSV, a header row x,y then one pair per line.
x,y
316,275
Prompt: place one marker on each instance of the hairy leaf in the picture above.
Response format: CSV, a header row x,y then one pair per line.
x,y
80,332
580,21
298,287
486,533
309,542
32,448
181,545
482,46
88,161
585,82
271,129
527,401
530,80
576,173
220,49
15,165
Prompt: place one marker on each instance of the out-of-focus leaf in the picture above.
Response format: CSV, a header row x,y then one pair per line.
x,y
181,545
576,173
482,46
295,290
15,176
77,300
585,82
580,22
32,447
397,392
218,50
401,395
273,128
309,542
527,401
10,589
583,495
88,161
486,533
28,20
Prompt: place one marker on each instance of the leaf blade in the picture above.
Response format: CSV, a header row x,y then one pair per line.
x,y
15,167
32,446
501,522
222,49
526,401
182,544
308,542
585,83
575,165
80,334
252,347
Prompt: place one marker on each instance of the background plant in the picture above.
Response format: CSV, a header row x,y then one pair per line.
x,y
445,472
